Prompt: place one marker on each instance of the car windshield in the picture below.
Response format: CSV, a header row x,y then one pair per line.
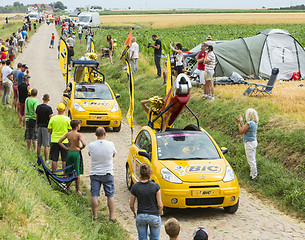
x,y
83,18
185,146
92,91
196,49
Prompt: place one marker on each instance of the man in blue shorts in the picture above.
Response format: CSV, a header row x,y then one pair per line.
x,y
102,152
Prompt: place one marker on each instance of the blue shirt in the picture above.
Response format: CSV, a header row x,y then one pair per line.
x,y
19,77
250,135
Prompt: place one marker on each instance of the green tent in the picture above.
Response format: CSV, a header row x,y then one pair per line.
x,y
256,56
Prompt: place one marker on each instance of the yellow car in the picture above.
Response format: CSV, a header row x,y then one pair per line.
x,y
188,165
94,104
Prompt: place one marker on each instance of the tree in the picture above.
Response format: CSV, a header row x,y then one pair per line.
x,y
59,5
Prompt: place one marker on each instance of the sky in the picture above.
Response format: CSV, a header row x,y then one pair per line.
x,y
163,4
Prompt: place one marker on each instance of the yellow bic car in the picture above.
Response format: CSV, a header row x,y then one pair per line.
x,y
189,167
94,104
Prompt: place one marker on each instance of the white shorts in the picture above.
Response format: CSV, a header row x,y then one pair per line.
x,y
201,77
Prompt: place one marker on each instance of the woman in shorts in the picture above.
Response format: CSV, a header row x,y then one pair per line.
x,y
109,49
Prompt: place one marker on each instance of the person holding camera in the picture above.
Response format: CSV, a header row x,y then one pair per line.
x,y
210,63
157,54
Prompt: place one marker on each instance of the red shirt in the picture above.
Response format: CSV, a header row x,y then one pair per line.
x,y
3,56
201,65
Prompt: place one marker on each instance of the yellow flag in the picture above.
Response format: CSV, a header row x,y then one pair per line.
x,y
129,115
92,47
169,74
63,59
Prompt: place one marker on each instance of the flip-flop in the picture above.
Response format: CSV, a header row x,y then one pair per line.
x,y
113,220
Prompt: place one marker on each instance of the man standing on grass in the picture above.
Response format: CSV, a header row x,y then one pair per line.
x,y
43,115
59,125
157,53
19,76
31,104
15,86
134,55
76,144
102,153
201,67
7,78
23,89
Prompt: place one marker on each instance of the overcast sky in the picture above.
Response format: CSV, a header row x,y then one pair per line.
x,y
157,4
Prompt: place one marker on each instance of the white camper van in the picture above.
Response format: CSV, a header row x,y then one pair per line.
x,y
33,16
91,19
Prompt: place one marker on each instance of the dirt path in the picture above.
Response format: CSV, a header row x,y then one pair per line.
x,y
255,219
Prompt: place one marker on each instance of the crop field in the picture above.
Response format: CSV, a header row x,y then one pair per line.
x,y
191,36
179,20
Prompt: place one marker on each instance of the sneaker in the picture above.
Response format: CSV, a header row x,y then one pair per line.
x,y
212,99
254,179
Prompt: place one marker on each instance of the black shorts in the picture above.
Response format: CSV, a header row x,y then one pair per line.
x,y
54,152
30,130
179,69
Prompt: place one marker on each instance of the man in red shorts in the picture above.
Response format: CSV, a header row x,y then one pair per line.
x,y
23,89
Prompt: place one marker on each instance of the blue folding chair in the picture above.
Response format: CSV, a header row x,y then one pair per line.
x,y
61,180
257,89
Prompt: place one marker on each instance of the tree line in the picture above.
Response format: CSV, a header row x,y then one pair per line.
x,y
18,7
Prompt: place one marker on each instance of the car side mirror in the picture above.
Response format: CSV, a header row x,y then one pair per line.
x,y
117,96
143,153
224,150
66,95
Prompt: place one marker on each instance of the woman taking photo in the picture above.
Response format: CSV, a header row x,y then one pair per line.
x,y
150,207
249,131
109,49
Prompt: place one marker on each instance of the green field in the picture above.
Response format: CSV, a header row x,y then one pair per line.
x,y
190,37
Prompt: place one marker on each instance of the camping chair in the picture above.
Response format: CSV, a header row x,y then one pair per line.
x,y
255,88
62,181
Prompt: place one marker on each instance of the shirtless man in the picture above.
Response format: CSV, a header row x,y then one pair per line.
x,y
74,154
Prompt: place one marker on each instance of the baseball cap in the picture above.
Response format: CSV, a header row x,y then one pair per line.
x,y
200,234
26,76
61,107
24,66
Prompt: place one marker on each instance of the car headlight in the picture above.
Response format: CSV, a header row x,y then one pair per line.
x,y
115,108
169,176
229,176
79,108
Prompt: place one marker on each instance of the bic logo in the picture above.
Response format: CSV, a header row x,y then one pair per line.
x,y
198,169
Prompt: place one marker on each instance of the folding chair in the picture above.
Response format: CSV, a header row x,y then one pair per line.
x,y
63,181
255,88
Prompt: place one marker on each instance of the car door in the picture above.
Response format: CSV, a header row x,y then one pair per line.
x,y
142,142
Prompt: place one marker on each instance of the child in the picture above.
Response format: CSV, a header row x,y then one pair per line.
x,y
74,154
3,54
52,41
172,228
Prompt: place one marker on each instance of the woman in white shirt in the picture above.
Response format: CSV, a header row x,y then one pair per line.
x,y
178,67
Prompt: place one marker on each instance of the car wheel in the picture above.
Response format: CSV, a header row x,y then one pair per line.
x,y
129,181
166,211
192,127
117,129
232,209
